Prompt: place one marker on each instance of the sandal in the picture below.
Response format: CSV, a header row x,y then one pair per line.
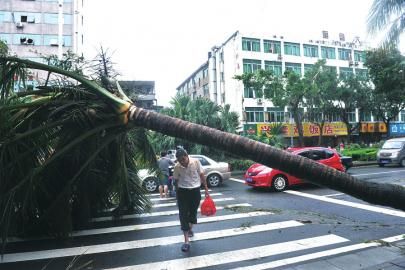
x,y
185,247
190,233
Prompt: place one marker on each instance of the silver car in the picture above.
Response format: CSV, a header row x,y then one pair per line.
x,y
392,152
215,172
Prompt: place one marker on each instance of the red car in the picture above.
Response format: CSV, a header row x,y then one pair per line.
x,y
259,175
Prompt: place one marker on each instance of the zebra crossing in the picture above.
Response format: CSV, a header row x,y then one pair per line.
x,y
238,236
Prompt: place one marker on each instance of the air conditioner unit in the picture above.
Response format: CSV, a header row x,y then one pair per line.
x,y
279,57
53,42
259,101
356,63
350,63
311,41
31,20
19,25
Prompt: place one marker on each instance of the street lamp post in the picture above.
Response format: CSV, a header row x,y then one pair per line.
x,y
60,29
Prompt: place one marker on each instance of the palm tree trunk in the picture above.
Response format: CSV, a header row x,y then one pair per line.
x,y
372,192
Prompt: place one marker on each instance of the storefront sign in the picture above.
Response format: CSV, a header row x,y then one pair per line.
x,y
397,129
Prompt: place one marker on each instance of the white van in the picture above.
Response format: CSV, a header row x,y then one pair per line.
x,y
392,152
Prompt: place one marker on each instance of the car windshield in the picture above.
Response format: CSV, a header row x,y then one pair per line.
x,y
393,145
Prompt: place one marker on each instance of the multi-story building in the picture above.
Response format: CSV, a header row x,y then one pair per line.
x,y
142,93
32,28
248,52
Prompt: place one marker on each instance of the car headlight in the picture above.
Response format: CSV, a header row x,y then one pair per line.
x,y
394,155
265,171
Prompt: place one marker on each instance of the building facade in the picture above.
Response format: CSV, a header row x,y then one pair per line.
x,y
248,52
32,28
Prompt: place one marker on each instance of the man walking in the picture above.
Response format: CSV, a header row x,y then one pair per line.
x,y
164,163
189,176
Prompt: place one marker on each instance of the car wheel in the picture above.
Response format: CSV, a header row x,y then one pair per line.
x,y
150,184
402,162
214,180
381,164
280,183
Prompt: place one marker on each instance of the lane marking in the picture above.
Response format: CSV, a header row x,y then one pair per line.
x,y
143,243
239,255
174,198
154,225
157,194
167,224
351,204
365,174
321,254
163,213
333,195
158,205
237,180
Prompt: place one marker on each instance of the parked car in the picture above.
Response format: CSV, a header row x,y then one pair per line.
x,y
346,161
215,172
392,152
149,179
259,175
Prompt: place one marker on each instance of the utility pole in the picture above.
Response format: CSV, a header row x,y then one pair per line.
x,y
60,31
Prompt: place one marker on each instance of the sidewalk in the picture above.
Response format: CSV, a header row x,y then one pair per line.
x,y
386,256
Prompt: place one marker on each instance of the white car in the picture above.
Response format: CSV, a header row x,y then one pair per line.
x,y
215,172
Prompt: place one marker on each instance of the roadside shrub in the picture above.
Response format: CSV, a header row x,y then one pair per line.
x,y
240,164
362,154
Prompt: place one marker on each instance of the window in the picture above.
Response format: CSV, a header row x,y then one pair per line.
x,y
248,92
365,116
345,72
334,69
205,73
351,116
272,46
251,44
206,90
308,67
359,56
328,53
292,49
273,66
402,114
344,54
294,67
361,73
52,18
311,50
275,115
203,161
254,114
250,65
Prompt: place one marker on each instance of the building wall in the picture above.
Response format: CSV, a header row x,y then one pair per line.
x,y
226,61
30,27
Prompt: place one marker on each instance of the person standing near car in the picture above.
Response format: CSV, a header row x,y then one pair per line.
x,y
164,163
189,176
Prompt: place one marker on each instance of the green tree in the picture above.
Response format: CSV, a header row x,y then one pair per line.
x,y
387,72
322,85
32,155
387,16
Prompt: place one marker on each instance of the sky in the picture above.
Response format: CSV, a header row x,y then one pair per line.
x,y
167,40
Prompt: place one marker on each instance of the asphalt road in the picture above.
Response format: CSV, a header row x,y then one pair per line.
x,y
253,228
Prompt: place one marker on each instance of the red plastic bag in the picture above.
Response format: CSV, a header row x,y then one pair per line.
x,y
208,207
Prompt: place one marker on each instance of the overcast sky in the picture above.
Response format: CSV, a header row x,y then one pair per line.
x,y
167,40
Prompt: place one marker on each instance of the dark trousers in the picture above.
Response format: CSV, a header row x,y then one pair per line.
x,y
188,201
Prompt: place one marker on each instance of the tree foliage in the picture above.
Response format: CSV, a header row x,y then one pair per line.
x,y
387,16
387,72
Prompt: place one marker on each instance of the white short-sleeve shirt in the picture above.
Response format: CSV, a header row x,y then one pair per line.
x,y
188,177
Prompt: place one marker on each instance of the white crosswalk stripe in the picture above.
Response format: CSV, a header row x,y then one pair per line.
x,y
76,251
166,213
249,223
174,198
174,203
239,255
